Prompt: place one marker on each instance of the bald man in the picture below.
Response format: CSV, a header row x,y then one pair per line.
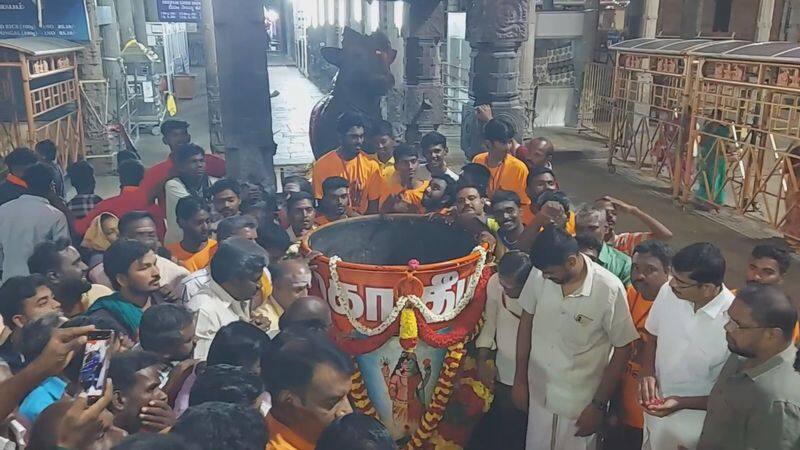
x,y
308,313
291,279
537,152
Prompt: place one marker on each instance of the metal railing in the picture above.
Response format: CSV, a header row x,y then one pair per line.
x,y
596,105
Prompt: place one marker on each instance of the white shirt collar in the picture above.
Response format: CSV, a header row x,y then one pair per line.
x,y
718,304
586,287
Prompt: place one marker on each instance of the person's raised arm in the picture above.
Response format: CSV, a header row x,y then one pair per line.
x,y
54,358
659,230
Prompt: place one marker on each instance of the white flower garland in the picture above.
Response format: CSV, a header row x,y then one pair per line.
x,y
430,316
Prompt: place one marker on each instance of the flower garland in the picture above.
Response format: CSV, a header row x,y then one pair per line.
x,y
360,396
401,303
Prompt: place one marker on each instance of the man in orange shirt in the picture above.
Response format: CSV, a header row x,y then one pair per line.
x,y
507,172
309,380
335,203
539,181
349,162
650,269
440,195
196,249
381,143
626,242
399,186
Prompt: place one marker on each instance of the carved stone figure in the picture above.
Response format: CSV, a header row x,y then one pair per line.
x,y
363,78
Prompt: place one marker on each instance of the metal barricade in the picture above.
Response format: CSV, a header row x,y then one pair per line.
x,y
596,104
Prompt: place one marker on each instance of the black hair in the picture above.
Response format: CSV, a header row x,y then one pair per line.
x,y
515,265
227,384
237,344
433,139
132,217
499,130
237,258
81,175
47,149
778,254
290,360
349,120
588,241
126,155
554,196
475,174
538,171
119,256
226,184
501,195
186,151
478,187
161,325
188,207
303,183
552,248
769,306
450,190
217,425
703,261
123,367
658,250
168,126
15,291
35,335
297,197
20,157
356,431
130,172
271,235
231,225
333,183
46,257
404,150
39,178
153,441
380,128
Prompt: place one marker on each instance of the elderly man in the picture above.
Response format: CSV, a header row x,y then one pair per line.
x,y
592,221
236,273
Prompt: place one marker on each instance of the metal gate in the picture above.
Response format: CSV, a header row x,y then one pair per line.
x,y
596,104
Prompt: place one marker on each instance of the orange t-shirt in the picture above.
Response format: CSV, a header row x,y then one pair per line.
x,y
321,219
381,187
193,261
282,437
511,175
358,172
631,413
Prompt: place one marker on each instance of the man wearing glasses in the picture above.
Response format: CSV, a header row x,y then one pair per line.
x,y
682,361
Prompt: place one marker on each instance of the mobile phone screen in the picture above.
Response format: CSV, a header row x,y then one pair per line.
x,y
96,357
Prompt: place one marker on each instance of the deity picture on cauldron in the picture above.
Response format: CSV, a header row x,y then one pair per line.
x,y
406,384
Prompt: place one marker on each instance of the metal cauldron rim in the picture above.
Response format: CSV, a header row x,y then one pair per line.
x,y
305,249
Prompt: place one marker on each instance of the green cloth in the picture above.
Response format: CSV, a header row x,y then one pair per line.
x,y
126,313
711,164
616,262
757,408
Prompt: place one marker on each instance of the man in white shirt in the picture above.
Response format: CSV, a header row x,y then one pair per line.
x,y
434,149
190,164
682,361
28,220
575,314
504,425
236,272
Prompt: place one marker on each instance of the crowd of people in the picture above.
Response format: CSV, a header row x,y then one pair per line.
x,y
592,337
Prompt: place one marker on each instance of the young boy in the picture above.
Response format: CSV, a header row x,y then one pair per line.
x,y
381,143
81,174
434,149
399,189
507,172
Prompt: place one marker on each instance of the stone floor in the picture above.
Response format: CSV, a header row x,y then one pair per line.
x,y
291,110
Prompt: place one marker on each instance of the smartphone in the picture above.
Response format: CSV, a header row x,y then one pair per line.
x,y
96,357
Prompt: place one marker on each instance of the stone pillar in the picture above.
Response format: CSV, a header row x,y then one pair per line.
x,y
527,83
139,21
395,99
650,18
495,31
216,138
764,22
125,20
112,62
424,32
793,34
90,68
241,43
691,18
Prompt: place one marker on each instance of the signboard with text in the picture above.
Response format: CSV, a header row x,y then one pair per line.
x,y
64,19
179,10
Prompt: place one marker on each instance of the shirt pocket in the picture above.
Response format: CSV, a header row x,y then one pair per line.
x,y
579,330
